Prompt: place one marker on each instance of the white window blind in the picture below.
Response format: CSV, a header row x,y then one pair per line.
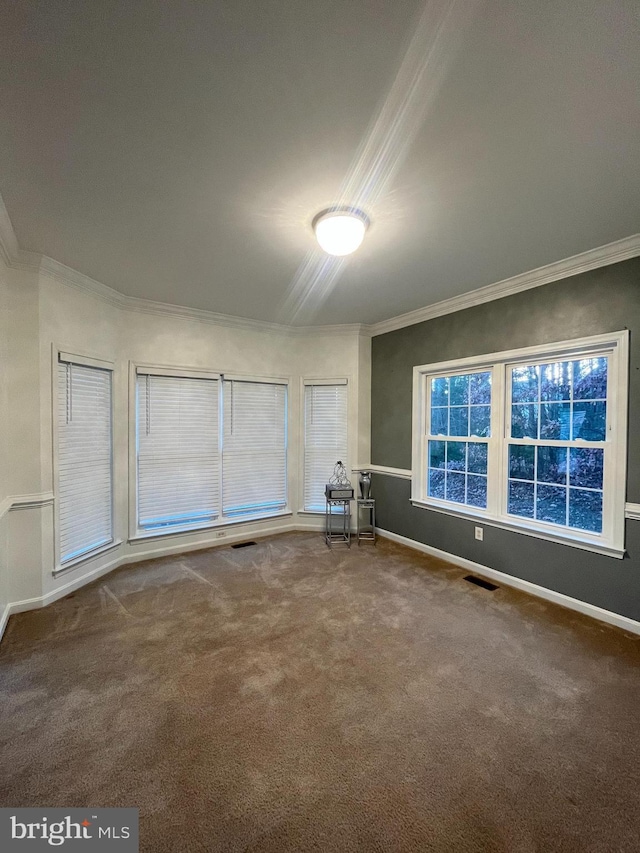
x,y
325,439
177,451
85,502
254,448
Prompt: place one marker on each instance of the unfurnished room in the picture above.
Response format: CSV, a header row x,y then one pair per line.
x,y
319,444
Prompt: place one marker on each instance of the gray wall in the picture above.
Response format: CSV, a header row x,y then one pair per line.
x,y
596,302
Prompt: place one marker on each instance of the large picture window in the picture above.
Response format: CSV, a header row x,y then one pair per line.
x,y
531,439
209,449
84,459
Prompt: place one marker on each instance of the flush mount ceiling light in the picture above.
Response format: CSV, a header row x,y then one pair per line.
x,y
340,230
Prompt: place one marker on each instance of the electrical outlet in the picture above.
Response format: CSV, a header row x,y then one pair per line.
x,y
480,533
221,533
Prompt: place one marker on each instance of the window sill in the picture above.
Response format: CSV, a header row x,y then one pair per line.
x,y
143,536
321,513
84,558
515,527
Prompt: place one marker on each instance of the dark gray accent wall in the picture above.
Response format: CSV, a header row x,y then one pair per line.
x,y
603,300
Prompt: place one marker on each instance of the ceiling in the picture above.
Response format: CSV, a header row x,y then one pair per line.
x,y
178,150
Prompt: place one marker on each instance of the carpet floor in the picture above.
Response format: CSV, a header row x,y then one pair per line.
x,y
283,697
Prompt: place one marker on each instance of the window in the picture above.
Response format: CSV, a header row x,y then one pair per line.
x,y
209,449
325,437
557,441
84,459
460,409
178,457
254,468
530,439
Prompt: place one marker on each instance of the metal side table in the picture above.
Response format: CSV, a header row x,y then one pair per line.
x,y
337,521
366,532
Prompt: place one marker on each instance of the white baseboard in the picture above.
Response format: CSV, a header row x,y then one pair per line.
x,y
239,536
598,613
65,589
148,554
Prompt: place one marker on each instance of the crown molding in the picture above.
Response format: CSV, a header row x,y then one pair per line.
x,y
72,278
611,253
148,306
17,258
83,283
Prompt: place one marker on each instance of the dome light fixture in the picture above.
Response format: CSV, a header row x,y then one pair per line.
x,y
340,230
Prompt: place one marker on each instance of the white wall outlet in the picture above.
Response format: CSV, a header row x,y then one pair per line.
x,y
220,534
480,533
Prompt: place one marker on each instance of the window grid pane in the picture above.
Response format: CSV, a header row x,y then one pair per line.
x,y
457,472
460,405
562,401
557,485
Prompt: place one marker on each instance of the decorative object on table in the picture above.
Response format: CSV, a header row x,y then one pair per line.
x,y
339,476
339,486
365,485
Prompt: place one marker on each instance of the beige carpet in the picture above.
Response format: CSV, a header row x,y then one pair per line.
x,y
284,697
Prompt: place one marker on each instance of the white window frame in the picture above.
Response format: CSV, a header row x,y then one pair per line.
x,y
64,354
616,346
137,533
319,380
